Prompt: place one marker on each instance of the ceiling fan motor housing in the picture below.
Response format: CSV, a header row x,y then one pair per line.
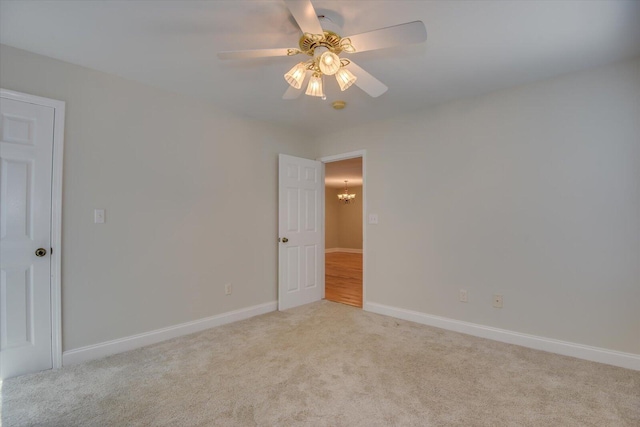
x,y
316,44
330,40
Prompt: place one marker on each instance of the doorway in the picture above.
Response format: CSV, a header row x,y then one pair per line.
x,y
344,229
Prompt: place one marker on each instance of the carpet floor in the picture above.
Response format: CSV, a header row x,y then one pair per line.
x,y
327,364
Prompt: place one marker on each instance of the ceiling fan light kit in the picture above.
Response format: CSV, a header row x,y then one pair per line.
x,y
326,62
324,48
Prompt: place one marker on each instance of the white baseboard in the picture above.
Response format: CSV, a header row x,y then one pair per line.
x,y
594,354
347,250
97,351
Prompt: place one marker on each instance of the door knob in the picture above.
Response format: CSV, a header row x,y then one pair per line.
x,y
285,240
41,252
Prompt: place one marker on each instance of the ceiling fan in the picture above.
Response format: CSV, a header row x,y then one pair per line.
x,y
325,46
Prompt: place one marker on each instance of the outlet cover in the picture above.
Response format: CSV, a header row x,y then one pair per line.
x,y
228,289
98,216
464,296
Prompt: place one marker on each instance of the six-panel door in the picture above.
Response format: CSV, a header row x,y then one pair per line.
x,y
301,257
26,143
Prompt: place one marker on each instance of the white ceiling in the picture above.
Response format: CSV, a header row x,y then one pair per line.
x,y
473,47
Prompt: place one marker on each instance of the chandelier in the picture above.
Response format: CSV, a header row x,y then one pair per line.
x,y
324,48
345,197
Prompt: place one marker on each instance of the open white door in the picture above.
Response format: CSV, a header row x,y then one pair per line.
x,y
26,142
301,252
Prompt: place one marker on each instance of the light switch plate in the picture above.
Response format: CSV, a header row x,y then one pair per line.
x,y
98,216
497,301
373,218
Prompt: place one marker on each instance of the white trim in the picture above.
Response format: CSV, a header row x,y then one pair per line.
x,y
97,351
580,351
346,250
56,215
323,232
346,156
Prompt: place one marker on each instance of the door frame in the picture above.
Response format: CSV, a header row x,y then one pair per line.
x,y
336,158
56,215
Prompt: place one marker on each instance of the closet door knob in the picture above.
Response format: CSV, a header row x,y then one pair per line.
x,y
41,252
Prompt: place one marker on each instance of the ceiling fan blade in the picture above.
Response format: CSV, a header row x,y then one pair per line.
x,y
305,15
292,92
411,32
366,81
256,53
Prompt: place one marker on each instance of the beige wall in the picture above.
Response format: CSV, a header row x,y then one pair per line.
x,y
343,223
530,192
190,194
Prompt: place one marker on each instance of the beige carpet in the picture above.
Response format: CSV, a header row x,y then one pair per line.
x,y
327,364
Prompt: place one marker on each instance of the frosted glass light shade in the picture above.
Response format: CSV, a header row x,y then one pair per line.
x,y
315,86
295,76
345,78
329,63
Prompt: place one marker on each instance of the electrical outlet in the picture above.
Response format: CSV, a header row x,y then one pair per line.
x,y
497,301
227,289
464,296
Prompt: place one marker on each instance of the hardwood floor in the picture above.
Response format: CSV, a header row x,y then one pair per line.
x,y
343,278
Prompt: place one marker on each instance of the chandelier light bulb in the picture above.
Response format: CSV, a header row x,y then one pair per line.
x,y
295,76
315,86
345,78
329,63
